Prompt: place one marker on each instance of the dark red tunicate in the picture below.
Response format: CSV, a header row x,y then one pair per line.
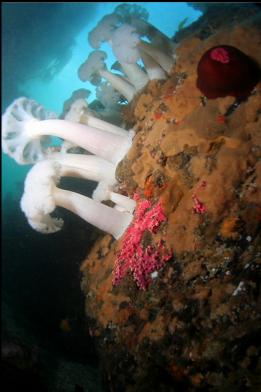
x,y
224,70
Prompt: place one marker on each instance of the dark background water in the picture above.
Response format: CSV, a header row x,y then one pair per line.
x,y
40,274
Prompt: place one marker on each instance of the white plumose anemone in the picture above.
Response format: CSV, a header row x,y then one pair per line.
x,y
41,197
25,125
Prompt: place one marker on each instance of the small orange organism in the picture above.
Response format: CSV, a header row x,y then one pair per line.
x,y
158,115
152,185
221,119
149,187
65,325
230,228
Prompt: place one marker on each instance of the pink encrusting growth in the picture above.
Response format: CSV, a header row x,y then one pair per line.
x,y
199,207
134,257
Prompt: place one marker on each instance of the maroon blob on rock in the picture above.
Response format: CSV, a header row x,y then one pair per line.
x,y
224,70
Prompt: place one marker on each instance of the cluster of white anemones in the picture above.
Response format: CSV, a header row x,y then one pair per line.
x,y
133,41
27,127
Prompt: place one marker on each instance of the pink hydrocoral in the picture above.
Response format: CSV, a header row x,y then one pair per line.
x,y
133,257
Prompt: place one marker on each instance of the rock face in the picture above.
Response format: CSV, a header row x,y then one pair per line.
x,y
196,327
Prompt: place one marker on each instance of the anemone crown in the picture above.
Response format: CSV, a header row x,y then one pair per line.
x,y
226,71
